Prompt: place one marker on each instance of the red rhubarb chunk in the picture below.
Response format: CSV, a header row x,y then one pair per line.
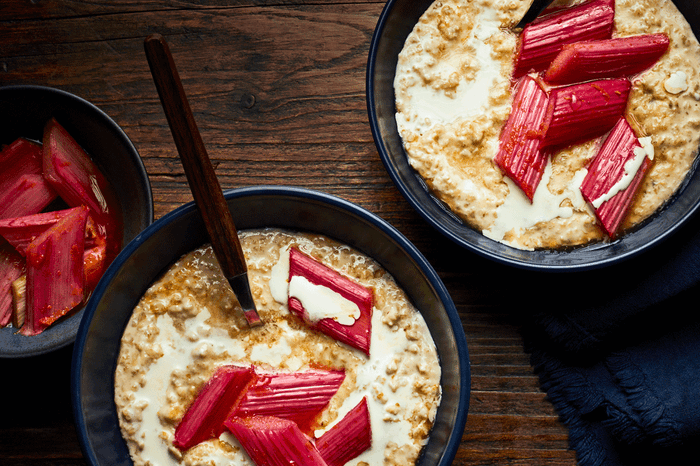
x,y
220,396
77,179
297,396
611,58
353,330
272,441
614,176
20,231
585,111
27,195
55,272
12,266
22,157
347,439
519,154
543,39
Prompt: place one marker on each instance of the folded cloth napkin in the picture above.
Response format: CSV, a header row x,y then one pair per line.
x,y
621,363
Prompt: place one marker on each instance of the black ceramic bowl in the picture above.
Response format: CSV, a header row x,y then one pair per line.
x,y
395,23
147,256
24,110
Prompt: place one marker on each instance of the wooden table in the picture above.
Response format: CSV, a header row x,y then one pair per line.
x,y
278,93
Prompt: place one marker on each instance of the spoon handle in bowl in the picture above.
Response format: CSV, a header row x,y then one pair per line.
x,y
198,168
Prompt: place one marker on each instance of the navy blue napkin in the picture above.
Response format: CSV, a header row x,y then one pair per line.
x,y
621,363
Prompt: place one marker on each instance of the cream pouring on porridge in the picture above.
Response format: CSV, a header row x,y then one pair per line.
x,y
188,323
453,96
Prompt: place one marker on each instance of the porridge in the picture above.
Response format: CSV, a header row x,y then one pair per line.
x,y
189,324
454,91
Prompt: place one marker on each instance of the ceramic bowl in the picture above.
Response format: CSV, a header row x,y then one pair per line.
x,y
25,111
152,252
394,25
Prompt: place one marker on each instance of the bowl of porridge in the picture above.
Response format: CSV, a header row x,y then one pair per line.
x,y
441,82
164,326
32,195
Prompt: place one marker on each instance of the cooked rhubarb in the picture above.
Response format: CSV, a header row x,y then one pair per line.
x,y
347,439
272,441
611,58
297,396
20,231
543,39
614,176
79,181
12,266
329,301
221,394
21,157
584,111
55,272
519,154
28,194
19,301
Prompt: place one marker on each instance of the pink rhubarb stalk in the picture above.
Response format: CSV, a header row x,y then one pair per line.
x,y
357,334
12,266
585,111
614,176
543,39
55,272
611,58
297,396
347,439
78,181
220,396
20,231
272,441
519,154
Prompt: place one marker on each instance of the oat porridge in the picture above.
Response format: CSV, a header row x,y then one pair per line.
x,y
188,326
454,89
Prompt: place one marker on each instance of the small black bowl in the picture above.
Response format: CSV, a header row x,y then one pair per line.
x,y
24,110
152,252
395,24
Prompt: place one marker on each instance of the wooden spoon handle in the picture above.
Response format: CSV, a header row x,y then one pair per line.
x,y
198,168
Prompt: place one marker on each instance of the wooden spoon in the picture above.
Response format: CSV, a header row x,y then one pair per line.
x,y
200,174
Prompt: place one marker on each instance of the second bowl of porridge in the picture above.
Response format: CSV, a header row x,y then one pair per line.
x,y
165,328
441,82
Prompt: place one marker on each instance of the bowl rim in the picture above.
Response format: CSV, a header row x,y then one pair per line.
x,y
414,254
69,327
439,216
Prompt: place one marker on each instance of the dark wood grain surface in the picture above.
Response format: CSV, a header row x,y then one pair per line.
x,y
278,92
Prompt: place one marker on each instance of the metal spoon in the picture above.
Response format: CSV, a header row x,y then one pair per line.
x,y
533,12
200,174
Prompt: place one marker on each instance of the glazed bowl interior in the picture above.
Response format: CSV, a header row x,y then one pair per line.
x,y
395,24
152,252
25,111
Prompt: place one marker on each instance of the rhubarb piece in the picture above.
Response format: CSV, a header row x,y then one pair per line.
x,y
12,266
272,441
611,58
221,395
22,157
19,301
55,272
543,39
20,231
95,264
519,154
614,176
329,301
297,396
580,112
347,439
76,178
28,194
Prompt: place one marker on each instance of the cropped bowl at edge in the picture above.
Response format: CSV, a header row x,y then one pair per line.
x,y
152,252
25,111
395,24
